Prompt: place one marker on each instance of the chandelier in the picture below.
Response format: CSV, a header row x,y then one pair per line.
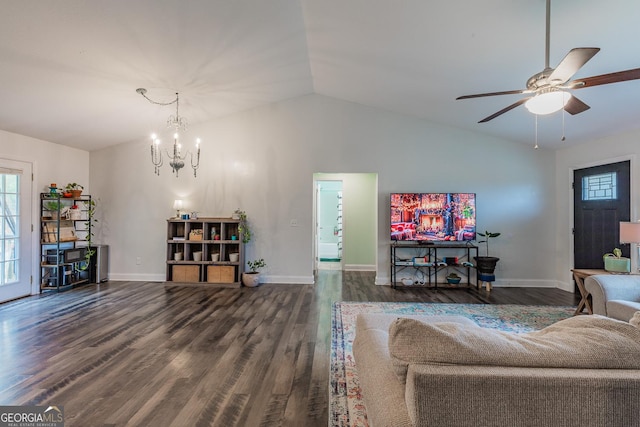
x,y
177,124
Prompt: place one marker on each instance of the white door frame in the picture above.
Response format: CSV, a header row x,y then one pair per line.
x,y
25,286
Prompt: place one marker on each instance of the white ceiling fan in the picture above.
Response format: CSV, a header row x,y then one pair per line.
x,y
550,89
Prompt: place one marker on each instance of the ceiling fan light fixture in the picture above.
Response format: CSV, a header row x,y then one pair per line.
x,y
548,102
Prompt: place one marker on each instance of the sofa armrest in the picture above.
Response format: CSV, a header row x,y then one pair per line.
x,y
605,287
462,396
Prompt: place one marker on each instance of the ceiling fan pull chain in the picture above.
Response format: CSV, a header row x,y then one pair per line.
x,y
563,114
536,145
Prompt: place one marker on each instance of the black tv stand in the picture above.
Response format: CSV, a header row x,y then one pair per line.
x,y
427,264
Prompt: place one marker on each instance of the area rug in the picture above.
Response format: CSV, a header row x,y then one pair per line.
x,y
346,408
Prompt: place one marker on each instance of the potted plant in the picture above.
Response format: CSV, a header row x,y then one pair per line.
x,y
251,278
53,207
486,264
453,279
73,188
243,226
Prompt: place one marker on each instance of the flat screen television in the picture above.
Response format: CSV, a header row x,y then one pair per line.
x,y
433,217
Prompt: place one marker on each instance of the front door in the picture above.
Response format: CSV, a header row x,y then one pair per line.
x,y
15,229
601,201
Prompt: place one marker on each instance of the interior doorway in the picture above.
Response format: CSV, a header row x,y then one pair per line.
x,y
345,218
329,225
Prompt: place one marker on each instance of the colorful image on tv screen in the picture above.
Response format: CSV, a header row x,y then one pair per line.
x,y
433,216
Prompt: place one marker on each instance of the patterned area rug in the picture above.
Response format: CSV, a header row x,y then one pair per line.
x,y
346,408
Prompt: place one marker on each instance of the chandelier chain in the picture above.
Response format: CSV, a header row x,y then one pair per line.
x,y
177,158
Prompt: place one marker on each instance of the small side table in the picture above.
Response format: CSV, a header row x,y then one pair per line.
x,y
579,275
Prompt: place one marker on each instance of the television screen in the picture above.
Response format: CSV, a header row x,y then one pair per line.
x,y
433,216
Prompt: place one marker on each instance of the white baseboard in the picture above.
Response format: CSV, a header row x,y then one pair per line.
x,y
382,281
295,280
129,277
303,280
359,267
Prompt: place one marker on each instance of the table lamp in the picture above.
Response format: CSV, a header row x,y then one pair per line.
x,y
630,233
177,205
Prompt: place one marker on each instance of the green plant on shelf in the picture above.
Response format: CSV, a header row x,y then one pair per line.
x,y
53,206
90,225
73,186
243,226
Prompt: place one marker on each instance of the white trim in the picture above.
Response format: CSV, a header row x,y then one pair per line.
x,y
382,280
294,280
129,277
359,267
29,283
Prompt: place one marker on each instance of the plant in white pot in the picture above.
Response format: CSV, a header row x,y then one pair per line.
x,y
251,278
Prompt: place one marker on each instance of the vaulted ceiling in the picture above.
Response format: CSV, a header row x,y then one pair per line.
x,y
69,68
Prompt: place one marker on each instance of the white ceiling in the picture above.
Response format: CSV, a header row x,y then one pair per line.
x,y
69,68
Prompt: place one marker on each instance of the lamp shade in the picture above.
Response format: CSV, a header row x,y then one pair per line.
x,y
548,102
177,204
629,232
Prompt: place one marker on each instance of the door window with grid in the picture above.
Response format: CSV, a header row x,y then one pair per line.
x,y
10,232
16,237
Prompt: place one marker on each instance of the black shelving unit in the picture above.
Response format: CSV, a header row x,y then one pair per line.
x,y
432,262
63,241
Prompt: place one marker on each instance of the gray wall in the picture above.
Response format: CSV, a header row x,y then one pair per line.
x,y
263,161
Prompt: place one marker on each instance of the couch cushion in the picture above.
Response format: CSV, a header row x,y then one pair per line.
x,y
622,309
635,320
577,342
382,393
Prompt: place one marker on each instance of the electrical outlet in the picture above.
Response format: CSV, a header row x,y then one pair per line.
x,y
293,223
138,260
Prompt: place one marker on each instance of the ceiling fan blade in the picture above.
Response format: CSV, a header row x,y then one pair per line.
x,y
571,63
504,110
603,79
575,106
480,95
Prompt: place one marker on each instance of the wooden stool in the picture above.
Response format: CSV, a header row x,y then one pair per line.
x,y
486,279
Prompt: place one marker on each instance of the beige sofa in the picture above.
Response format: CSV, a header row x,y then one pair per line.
x,y
614,295
464,375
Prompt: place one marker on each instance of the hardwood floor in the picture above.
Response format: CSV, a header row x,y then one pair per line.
x,y
156,354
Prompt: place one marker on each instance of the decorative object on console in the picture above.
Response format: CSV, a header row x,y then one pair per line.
x,y
616,263
251,278
177,124
630,233
177,205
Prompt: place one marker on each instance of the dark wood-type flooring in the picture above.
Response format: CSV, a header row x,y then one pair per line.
x,y
156,354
